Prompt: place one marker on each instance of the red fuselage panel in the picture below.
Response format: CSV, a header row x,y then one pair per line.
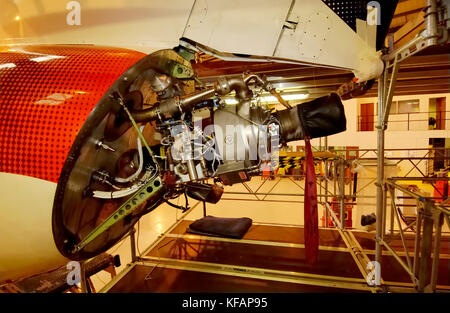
x,y
46,94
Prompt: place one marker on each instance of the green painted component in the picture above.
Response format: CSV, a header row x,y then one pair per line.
x,y
181,71
145,192
186,54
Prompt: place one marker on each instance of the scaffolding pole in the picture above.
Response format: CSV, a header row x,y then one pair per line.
x,y
380,173
326,181
428,37
341,165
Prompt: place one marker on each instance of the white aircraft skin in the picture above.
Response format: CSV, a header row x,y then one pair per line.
x,y
315,34
26,238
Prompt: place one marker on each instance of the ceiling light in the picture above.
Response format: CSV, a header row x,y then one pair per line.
x,y
46,58
7,65
230,101
272,99
288,97
296,96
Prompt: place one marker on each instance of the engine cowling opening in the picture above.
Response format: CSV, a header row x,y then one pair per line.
x,y
152,138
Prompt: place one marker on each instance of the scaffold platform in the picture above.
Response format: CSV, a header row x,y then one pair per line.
x,y
269,258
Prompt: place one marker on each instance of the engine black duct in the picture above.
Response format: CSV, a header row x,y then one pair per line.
x,y
321,117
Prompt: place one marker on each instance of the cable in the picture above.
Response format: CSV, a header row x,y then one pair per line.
x,y
141,163
126,191
137,237
139,132
179,207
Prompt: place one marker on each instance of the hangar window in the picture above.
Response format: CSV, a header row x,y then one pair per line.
x,y
405,106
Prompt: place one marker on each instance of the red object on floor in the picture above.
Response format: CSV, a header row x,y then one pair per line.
x,y
311,216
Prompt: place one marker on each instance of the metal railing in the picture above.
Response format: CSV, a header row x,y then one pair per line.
x,y
408,121
429,215
329,187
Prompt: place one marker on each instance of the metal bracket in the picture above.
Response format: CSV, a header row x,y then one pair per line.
x,y
145,192
180,71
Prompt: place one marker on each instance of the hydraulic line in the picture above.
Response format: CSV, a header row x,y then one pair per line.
x,y
123,192
141,163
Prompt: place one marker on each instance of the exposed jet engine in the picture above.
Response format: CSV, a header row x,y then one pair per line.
x,y
152,137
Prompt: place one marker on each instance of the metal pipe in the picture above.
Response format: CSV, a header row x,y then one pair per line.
x,y
417,243
436,249
83,282
444,210
326,181
192,170
342,191
390,93
261,81
266,86
225,85
383,116
383,227
397,149
283,194
410,226
380,173
222,86
172,106
335,165
393,207
333,216
426,245
404,190
133,244
421,178
408,260
320,193
430,21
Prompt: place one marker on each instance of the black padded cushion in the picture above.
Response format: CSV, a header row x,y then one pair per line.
x,y
221,226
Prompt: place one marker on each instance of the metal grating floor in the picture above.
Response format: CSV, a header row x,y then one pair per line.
x,y
270,258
